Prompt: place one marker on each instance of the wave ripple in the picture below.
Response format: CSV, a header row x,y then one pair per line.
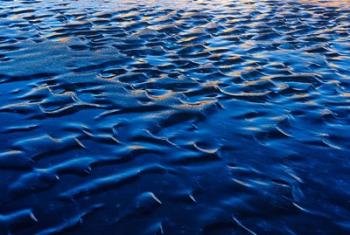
x,y
174,117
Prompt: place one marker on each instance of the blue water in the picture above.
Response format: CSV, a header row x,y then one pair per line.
x,y
174,117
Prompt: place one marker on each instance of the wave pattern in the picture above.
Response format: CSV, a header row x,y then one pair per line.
x,y
174,117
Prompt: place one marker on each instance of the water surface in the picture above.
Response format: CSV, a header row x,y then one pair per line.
x,y
174,117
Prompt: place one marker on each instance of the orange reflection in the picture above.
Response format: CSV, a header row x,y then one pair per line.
x,y
329,3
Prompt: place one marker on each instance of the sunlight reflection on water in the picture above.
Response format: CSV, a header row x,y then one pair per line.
x,y
329,3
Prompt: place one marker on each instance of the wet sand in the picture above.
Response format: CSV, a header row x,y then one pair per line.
x,y
174,117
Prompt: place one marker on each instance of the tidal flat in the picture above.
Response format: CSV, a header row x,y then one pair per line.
x,y
190,117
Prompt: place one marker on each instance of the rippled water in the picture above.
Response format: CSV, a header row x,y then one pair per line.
x,y
174,117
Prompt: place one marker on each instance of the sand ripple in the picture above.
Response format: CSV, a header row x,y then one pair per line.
x,y
174,117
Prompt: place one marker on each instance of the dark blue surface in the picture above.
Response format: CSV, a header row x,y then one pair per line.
x,y
174,117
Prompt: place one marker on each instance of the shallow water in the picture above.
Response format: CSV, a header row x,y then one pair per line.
x,y
174,117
